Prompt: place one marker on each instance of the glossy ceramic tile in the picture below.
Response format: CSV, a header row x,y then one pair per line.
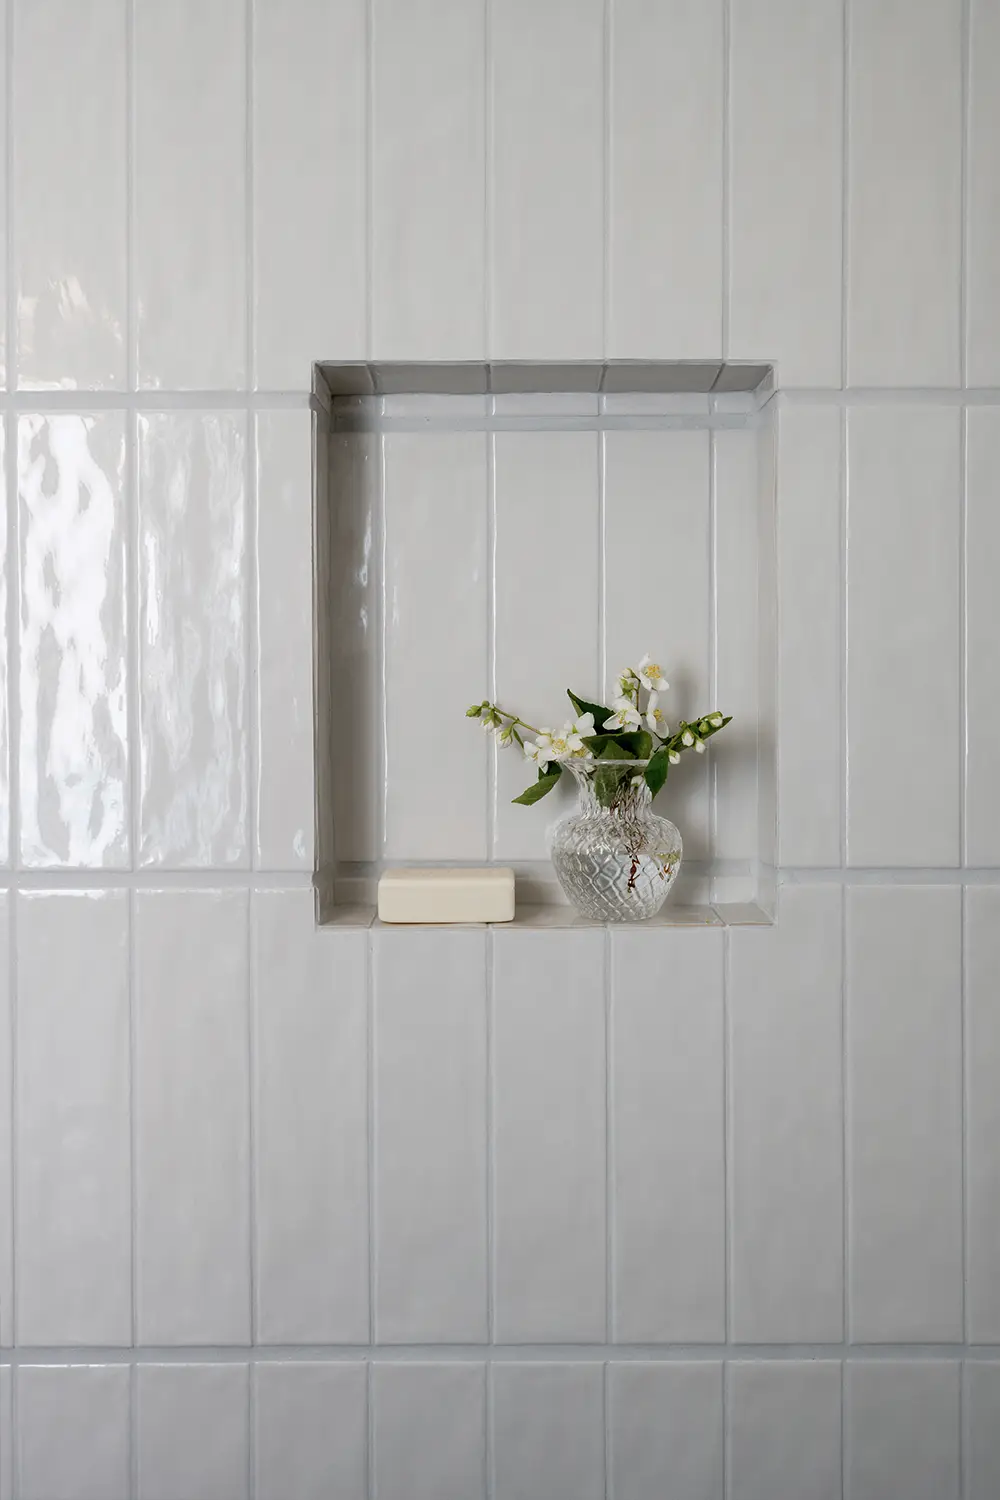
x,y
784,1429
435,643
429,1431
548,1431
355,626
4,661
981,1421
310,1125
810,585
786,1123
191,1117
666,77
189,195
69,207
310,1431
429,1049
733,756
74,1203
73,1432
902,1431
6,360
667,1137
982,247
6,1433
549,1137
192,639
904,1114
982,684
982,1112
665,1419
902,628
428,180
6,1134
557,471
904,227
656,538
73,756
309,242
786,131
546,212
284,676
192,1432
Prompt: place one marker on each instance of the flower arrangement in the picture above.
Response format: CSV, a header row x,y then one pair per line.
x,y
620,747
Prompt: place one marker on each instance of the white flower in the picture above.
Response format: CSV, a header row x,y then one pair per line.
x,y
699,746
575,731
687,739
628,684
673,756
540,750
650,674
655,719
625,716
716,721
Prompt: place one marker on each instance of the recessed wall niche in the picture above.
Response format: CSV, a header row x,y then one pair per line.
x,y
511,530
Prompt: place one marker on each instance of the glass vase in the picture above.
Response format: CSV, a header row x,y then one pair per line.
x,y
615,858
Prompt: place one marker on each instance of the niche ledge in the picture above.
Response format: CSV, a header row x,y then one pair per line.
x,y
683,448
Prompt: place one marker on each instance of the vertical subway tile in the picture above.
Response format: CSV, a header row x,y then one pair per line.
x,y
548,1431
69,219
435,643
734,755
73,675
310,72
429,1431
74,1239
284,667
982,228
192,639
190,194
981,1413
6,1431
665,1427
557,472
902,1430
668,1172
192,1432
784,1430
6,1137
5,561
549,1136
982,1070
547,209
904,1145
310,1124
430,1137
354,503
903,628
665,205
191,1117
786,1102
8,374
428,180
982,809
656,535
904,226
810,760
310,1431
786,132
73,1432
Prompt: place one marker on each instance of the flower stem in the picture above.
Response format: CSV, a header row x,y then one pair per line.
x,y
514,719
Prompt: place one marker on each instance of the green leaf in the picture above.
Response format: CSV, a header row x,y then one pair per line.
x,y
596,743
546,781
607,779
656,772
638,742
601,714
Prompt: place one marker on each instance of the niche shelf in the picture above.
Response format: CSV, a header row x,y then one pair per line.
x,y
485,529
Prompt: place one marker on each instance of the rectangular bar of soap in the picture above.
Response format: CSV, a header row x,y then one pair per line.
x,y
423,895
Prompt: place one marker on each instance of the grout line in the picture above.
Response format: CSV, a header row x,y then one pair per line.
x,y
12,920
492,749
251,1055
843,631
490,1170
727,1144
602,566
13,572
963,636
610,1155
727,177
382,754
845,169
965,149
133,991
370,1102
369,185
606,104
249,204
845,1118
85,400
963,1027
251,604
131,320
487,178
713,635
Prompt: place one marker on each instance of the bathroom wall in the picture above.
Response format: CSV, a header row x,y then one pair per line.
x,y
542,1212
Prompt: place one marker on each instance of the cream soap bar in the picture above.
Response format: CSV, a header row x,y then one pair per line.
x,y
422,895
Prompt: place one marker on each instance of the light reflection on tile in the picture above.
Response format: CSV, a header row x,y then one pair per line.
x,y
192,640
73,772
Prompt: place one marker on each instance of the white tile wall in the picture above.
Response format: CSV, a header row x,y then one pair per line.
x,y
626,1149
